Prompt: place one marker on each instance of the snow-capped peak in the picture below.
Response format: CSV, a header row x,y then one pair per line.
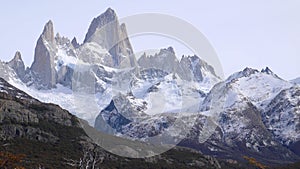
x,y
245,73
268,71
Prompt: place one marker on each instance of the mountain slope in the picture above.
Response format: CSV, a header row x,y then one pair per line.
x,y
101,82
51,137
241,125
297,80
282,117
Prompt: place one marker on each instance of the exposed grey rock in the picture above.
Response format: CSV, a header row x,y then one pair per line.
x,y
61,40
164,60
119,113
64,44
126,49
75,43
18,65
48,32
6,72
43,65
195,69
284,110
93,53
239,131
10,132
19,111
268,71
152,74
64,76
190,68
106,31
108,16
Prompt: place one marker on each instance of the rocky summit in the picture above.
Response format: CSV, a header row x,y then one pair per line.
x,y
106,43
249,120
106,31
43,65
17,65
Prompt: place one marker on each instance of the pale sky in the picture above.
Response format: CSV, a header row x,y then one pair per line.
x,y
248,33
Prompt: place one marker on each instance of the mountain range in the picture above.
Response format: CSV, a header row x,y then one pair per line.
x,y
251,114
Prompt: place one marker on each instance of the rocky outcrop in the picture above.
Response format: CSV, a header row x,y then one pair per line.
x,y
190,68
284,110
64,76
164,60
118,113
75,43
106,31
268,71
18,65
43,65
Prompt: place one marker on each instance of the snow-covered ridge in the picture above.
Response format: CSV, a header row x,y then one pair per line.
x,y
141,101
259,87
296,81
282,115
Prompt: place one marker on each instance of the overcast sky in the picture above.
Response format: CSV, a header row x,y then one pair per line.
x,y
248,33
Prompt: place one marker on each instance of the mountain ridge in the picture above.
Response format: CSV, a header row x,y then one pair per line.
x,y
151,94
51,137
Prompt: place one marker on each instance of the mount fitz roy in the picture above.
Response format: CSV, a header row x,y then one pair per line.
x,y
141,98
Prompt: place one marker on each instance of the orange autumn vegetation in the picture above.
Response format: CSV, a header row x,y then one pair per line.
x,y
9,160
253,162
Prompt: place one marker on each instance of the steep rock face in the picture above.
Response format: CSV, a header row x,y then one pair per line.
x,y
195,69
17,107
7,72
268,71
189,68
64,76
118,113
112,117
282,116
164,60
93,53
43,65
106,31
240,128
54,60
126,49
75,43
18,65
108,16
65,60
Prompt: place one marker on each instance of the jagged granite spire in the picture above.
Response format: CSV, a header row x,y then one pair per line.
x,y
106,31
75,43
48,32
43,65
18,65
164,60
108,16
